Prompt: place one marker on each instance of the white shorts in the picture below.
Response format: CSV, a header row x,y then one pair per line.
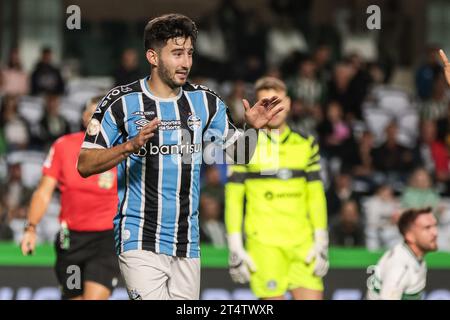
x,y
152,276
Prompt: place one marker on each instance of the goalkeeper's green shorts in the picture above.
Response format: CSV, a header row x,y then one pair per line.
x,y
279,269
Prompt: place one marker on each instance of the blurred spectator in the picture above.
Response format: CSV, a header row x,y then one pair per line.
x,y
433,152
128,70
231,20
212,229
297,11
283,39
391,157
359,85
303,119
305,85
382,211
347,230
46,78
17,199
336,135
426,139
339,88
362,161
252,63
13,80
212,186
13,127
426,73
340,192
322,59
211,50
6,233
52,125
436,107
234,102
420,193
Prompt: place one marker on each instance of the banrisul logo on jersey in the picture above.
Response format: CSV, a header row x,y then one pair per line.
x,y
169,149
194,122
175,149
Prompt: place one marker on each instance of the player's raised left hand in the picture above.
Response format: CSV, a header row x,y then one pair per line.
x,y
262,112
446,64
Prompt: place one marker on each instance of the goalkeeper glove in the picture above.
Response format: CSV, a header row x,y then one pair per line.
x,y
319,253
239,261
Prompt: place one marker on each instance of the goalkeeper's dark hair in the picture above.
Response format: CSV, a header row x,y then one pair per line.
x,y
409,216
159,30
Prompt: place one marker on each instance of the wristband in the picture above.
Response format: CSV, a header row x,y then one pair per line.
x,y
29,226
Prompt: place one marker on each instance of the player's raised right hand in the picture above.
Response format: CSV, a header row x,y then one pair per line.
x,y
141,139
28,243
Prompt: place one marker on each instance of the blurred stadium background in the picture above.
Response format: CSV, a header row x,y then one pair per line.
x,y
376,99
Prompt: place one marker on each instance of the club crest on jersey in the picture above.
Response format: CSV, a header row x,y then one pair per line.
x,y
93,127
271,285
194,122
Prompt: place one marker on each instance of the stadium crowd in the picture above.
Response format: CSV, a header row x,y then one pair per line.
x,y
384,147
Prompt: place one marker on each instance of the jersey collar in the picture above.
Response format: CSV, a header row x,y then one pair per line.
x,y
282,138
408,249
146,90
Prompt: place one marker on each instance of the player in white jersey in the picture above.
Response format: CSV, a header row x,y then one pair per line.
x,y
401,272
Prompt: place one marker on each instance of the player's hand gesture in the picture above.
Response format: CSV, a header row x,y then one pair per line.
x,y
262,112
28,243
446,64
146,132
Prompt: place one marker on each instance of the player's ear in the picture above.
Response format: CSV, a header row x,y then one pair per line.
x,y
152,57
288,102
409,238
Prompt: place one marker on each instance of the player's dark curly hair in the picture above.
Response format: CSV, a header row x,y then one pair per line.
x,y
168,26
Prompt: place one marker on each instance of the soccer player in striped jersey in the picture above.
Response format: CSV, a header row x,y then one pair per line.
x,y
153,130
401,272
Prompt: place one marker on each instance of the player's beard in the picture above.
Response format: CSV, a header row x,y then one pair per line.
x,y
428,246
165,75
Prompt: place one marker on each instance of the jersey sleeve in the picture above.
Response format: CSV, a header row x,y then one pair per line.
x,y
234,198
317,206
53,162
239,144
394,280
222,127
104,128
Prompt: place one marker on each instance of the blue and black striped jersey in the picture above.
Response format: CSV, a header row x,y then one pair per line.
x,y
158,187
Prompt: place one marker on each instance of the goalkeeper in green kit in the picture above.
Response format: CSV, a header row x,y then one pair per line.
x,y
286,247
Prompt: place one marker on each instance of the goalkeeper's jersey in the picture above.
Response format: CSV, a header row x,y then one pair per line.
x,y
284,195
399,274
